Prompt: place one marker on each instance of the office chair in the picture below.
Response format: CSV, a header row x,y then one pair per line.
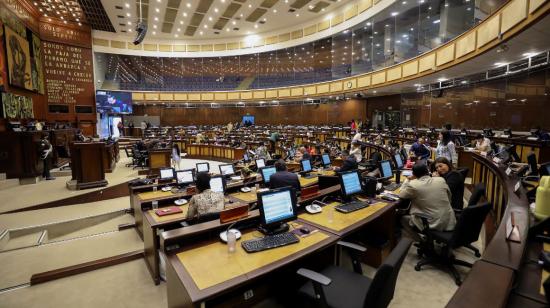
x,y
201,218
466,231
477,194
372,163
130,156
338,287
464,172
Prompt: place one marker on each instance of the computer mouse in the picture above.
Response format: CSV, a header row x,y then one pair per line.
x,y
245,189
305,230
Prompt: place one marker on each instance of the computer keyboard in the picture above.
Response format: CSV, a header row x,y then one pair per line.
x,y
392,186
351,206
270,241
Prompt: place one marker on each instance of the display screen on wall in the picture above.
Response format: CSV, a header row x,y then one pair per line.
x,y
113,102
18,59
248,120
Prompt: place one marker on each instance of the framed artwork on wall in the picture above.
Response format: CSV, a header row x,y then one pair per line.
x,y
18,59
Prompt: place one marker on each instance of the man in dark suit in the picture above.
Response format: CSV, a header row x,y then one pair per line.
x,y
283,178
350,163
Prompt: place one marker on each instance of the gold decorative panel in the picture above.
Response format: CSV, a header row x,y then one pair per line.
x,y
364,5
336,86
233,96
297,34
488,31
310,90
310,30
193,48
336,20
166,96
246,95
232,46
352,12
445,55
151,96
150,47
118,44
207,96
363,81
296,91
220,96
512,14
179,48
194,96
323,25
271,93
137,96
207,47
378,78
323,88
135,47
410,68
466,44
426,63
258,94
101,42
394,73
535,4
284,92
166,48
284,37
180,96
272,40
220,47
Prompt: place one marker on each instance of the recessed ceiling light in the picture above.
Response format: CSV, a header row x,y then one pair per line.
x,y
274,11
127,4
181,22
227,29
188,4
297,15
216,9
156,19
130,23
179,29
184,14
154,26
128,14
256,26
234,22
404,2
323,10
210,18
394,14
129,30
311,7
175,35
250,5
205,26
201,33
529,54
157,9
442,79
154,32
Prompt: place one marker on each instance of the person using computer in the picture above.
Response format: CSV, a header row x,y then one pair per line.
x,y
420,150
356,151
446,148
206,201
454,180
349,162
283,178
428,195
483,144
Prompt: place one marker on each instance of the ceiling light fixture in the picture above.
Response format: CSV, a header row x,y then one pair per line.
x,y
127,4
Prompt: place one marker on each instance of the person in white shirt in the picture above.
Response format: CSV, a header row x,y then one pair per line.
x,y
483,144
446,148
357,137
356,151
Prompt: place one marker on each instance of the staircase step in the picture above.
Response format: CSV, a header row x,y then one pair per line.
x,y
25,240
23,263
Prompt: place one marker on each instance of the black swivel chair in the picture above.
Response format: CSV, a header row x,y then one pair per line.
x,y
201,219
466,231
338,287
477,194
372,163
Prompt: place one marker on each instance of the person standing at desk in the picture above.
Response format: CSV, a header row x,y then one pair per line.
x,y
283,178
349,162
46,155
428,195
206,201
261,152
420,150
176,157
454,180
356,151
483,144
273,138
446,148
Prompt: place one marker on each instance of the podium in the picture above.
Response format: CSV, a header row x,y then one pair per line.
x,y
87,164
159,158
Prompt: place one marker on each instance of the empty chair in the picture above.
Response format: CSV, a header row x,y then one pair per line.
x,y
338,287
466,231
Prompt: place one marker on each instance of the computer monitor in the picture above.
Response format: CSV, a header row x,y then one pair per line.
x,y
203,167
166,173
277,206
217,183
385,169
267,172
306,165
260,163
227,170
398,160
326,160
350,184
532,161
185,177
246,158
545,169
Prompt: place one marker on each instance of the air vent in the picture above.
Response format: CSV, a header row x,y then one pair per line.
x,y
119,16
118,7
216,32
262,22
292,10
124,25
235,29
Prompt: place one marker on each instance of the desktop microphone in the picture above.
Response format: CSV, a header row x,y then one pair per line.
x,y
223,235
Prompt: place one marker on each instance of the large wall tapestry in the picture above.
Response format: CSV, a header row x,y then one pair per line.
x,y
36,65
19,59
16,106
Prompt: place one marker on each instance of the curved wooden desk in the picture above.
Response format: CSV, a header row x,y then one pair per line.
x,y
490,281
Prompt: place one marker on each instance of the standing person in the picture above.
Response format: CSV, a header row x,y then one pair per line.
x,y
229,127
356,151
446,148
420,151
120,128
353,125
46,155
176,157
273,138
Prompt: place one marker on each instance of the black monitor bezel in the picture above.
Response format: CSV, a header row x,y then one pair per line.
x,y
261,170
202,163
185,170
342,186
166,179
220,169
223,181
293,199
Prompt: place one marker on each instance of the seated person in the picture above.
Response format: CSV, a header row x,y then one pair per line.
x,y
454,180
301,154
283,178
428,195
420,150
261,152
483,144
349,162
206,201
356,151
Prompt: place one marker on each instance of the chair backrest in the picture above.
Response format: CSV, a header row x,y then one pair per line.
x,y
382,288
204,218
376,158
469,225
463,172
479,191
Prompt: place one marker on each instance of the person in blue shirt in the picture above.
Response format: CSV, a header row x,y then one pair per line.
x,y
420,150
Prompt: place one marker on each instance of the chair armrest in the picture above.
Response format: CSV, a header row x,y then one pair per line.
x,y
352,246
314,276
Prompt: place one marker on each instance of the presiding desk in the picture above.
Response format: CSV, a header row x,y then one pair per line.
x,y
201,273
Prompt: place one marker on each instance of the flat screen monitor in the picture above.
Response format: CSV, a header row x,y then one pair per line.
x,y
326,160
267,172
113,102
306,165
545,169
203,167
350,182
245,157
227,170
277,206
248,120
398,161
185,176
260,163
385,169
217,184
166,174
